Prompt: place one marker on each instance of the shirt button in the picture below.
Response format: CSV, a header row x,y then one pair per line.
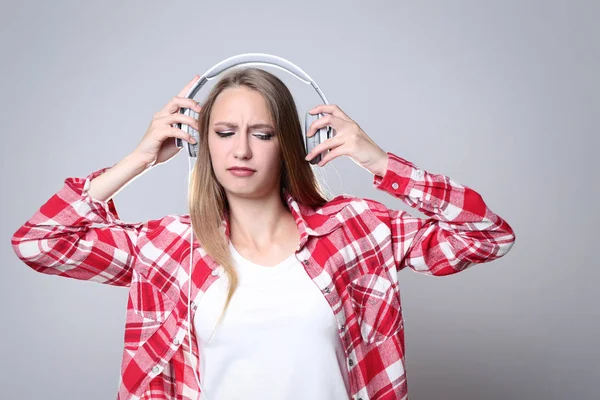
x,y
350,362
155,369
193,305
394,185
305,262
327,290
342,327
176,342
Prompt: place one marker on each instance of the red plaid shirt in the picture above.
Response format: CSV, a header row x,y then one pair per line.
x,y
352,248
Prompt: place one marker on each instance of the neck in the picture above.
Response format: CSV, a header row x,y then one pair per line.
x,y
257,223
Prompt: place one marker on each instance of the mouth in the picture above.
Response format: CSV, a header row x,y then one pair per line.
x,y
241,171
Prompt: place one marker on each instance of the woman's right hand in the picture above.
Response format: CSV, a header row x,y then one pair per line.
x,y
158,144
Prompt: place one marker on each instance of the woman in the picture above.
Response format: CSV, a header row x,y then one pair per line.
x,y
309,284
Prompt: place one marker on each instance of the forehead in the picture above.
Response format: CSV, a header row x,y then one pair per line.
x,y
241,101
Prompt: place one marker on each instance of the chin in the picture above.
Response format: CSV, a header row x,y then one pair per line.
x,y
239,188
247,191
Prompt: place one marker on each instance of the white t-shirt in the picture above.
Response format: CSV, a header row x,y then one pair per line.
x,y
278,339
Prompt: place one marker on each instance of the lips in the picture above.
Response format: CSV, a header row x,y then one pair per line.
x,y
241,169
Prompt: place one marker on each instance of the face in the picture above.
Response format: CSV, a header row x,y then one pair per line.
x,y
242,134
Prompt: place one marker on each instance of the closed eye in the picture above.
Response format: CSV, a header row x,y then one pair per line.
x,y
260,136
265,137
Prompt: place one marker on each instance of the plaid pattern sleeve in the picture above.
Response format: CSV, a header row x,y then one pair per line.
x,y
76,236
460,229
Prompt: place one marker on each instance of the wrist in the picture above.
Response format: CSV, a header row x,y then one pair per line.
x,y
136,163
381,166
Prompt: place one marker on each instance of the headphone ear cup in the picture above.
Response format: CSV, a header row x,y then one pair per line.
x,y
193,147
313,141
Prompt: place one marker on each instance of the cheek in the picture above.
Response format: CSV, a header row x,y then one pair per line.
x,y
275,159
211,142
215,156
214,147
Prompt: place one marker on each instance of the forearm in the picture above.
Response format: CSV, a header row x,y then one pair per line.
x,y
108,184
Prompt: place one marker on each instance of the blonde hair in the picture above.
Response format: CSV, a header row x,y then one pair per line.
x,y
208,204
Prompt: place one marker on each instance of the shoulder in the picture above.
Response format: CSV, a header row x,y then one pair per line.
x,y
362,216
352,203
168,228
165,239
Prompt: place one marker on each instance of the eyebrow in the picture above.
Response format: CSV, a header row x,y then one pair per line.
x,y
255,126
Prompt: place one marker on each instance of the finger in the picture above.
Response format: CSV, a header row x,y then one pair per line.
x,y
334,153
178,133
189,85
327,120
330,109
177,103
326,145
182,119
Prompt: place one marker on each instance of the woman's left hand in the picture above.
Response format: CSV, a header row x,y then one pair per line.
x,y
349,140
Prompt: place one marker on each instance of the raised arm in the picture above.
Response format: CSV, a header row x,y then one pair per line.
x,y
77,233
461,229
78,236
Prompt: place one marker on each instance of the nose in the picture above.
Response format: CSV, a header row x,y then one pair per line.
x,y
241,147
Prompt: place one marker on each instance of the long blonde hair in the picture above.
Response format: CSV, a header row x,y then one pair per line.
x,y
208,205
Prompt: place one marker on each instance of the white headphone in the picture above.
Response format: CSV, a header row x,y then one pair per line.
x,y
256,59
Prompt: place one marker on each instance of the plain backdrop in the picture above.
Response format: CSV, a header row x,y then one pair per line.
x,y
502,96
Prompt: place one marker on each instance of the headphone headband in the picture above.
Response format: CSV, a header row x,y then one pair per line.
x,y
255,59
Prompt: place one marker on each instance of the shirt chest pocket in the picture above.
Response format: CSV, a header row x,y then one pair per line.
x,y
147,301
377,307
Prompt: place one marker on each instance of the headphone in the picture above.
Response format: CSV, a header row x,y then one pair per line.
x,y
310,142
256,59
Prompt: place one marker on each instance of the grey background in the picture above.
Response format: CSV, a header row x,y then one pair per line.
x,y
502,96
